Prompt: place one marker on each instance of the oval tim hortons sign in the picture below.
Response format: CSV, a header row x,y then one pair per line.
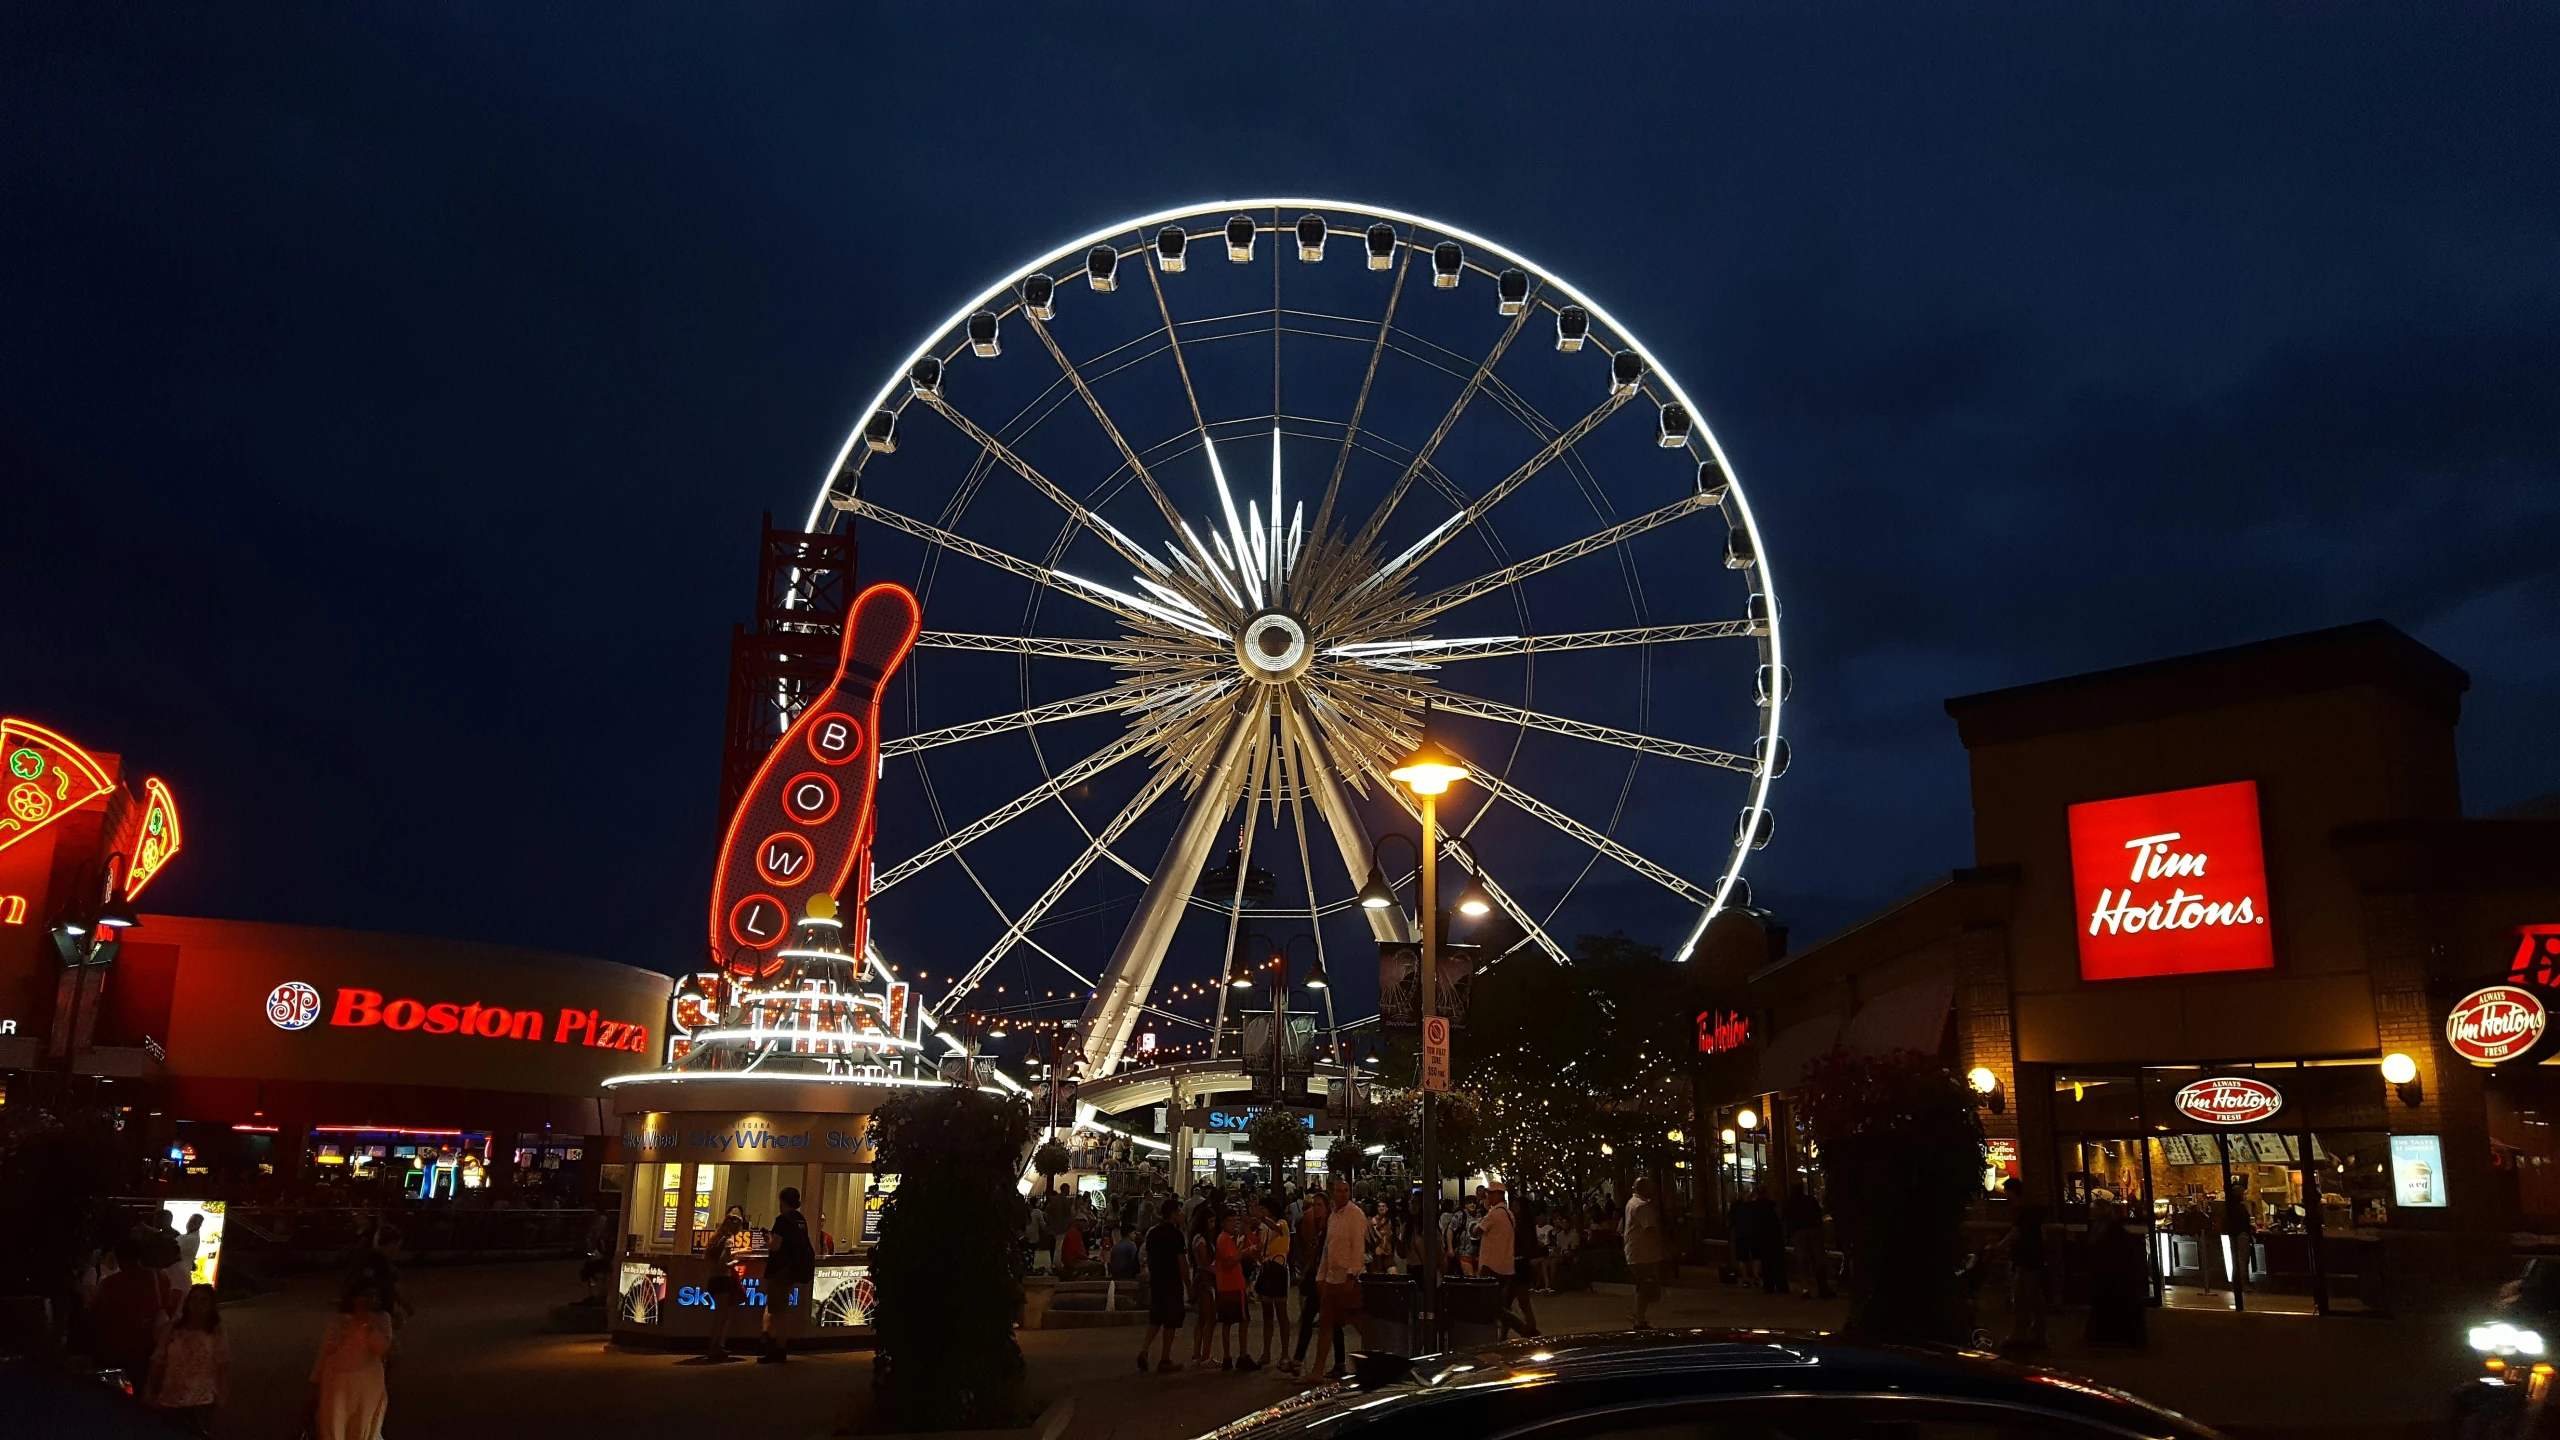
x,y
2230,1100
2495,1023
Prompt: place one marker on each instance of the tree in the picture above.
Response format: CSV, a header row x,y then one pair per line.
x,y
945,1264
1346,1158
1276,1138
1051,1159
1900,1146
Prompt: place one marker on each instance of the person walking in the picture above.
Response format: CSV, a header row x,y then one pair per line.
x,y
1167,1282
1642,1228
1306,1264
1496,1257
1229,1249
1271,1275
192,1366
1768,1241
2023,1244
2119,1281
789,1267
1803,1217
723,1286
2239,1238
1204,1284
1346,1258
348,1400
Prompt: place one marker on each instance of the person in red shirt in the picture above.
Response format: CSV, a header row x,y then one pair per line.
x,y
1230,1253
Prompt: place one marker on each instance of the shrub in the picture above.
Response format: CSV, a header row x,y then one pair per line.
x,y
1051,1159
1900,1147
1276,1139
945,1266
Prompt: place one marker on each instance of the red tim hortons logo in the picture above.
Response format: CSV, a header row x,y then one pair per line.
x,y
2229,1100
2495,1023
2173,883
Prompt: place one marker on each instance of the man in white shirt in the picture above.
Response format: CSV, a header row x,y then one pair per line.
x,y
1346,1256
1643,1232
1495,1258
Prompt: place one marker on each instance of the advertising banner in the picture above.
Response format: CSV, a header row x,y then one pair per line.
x,y
1400,984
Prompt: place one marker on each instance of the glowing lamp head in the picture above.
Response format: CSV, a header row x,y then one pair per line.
x,y
822,906
1608,1149
1376,895
1727,1136
2398,1068
1429,770
1748,1119
1982,1080
1473,900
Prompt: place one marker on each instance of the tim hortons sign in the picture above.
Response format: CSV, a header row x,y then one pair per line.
x,y
2229,1100
2171,884
2495,1023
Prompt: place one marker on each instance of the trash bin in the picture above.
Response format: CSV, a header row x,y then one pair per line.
x,y
1471,1309
1386,1314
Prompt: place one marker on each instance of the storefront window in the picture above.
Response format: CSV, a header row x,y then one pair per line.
x,y
2524,1144
754,1191
839,1219
657,1198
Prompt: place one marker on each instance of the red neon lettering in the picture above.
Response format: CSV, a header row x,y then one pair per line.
x,y
525,1025
639,1040
443,1018
591,1028
471,1018
13,909
572,1020
403,1015
357,1007
608,1034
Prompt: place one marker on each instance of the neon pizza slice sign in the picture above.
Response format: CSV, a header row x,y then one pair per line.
x,y
2229,1100
2495,1023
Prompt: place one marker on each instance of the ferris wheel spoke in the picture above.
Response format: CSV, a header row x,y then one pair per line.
x,y
1145,614
1173,338
1129,550
1020,928
1405,654
1377,521
1661,875
1486,584
1099,702
1103,418
1121,994
1109,652
1360,407
1130,743
1440,535
1585,730
1350,837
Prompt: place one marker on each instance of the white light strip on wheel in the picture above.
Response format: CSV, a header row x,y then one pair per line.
x,y
1600,315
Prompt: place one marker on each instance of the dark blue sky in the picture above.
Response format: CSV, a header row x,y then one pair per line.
x,y
390,394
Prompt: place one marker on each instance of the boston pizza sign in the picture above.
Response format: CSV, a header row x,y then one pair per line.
x,y
2229,1100
2495,1024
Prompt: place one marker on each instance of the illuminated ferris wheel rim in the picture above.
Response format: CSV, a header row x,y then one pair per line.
x,y
1766,583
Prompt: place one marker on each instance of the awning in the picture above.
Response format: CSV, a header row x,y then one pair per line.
x,y
1783,1060
1911,1017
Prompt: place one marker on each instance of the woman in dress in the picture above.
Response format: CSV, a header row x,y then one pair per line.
x,y
1271,1277
1204,1283
191,1365
348,1399
727,1248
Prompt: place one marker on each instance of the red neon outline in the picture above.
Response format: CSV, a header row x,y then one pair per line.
x,y
88,769
807,852
835,798
13,909
861,739
749,899
870,796
155,794
773,757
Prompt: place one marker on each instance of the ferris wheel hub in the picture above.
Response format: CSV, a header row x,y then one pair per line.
x,y
1274,647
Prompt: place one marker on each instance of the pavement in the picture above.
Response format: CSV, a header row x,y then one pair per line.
x,y
478,1361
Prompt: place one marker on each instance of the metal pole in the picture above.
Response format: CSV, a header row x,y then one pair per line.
x,y
1428,1330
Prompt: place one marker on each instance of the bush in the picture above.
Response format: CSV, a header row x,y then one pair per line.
x,y
1051,1159
1900,1147
945,1264
1276,1139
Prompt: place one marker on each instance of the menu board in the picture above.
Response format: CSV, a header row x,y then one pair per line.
x,y
2173,1148
2272,1149
876,1190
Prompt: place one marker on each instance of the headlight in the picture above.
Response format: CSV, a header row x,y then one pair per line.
x,y
2527,1342
2503,1336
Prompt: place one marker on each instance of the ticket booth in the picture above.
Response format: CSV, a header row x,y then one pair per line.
x,y
701,1146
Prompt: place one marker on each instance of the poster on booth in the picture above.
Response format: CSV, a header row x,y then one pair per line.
x,y
207,1267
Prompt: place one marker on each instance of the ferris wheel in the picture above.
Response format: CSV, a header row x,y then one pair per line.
x,y
1228,504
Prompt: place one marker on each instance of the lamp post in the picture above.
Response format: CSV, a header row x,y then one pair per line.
x,y
1428,772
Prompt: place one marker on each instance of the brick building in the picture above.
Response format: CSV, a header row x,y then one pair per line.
x,y
2218,904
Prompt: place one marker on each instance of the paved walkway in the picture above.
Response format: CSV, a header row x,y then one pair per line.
x,y
479,1361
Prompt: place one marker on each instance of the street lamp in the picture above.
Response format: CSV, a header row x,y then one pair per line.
x,y
1429,772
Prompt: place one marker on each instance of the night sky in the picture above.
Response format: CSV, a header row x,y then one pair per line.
x,y
391,393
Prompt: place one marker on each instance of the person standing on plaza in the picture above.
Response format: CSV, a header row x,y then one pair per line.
x,y
1496,1256
1229,1246
788,1270
1803,1216
1346,1258
1204,1283
2119,1281
348,1399
1306,1263
1271,1277
1768,1241
377,1264
722,1285
2023,1244
192,1366
1644,1248
130,1310
2239,1234
1168,1281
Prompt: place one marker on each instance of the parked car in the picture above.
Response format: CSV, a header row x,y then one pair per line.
x,y
1709,1385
